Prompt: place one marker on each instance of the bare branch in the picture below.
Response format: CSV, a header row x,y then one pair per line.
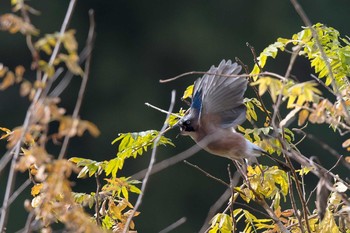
x,y
75,115
252,49
174,225
294,206
5,159
324,146
207,173
161,110
168,162
97,201
229,76
63,84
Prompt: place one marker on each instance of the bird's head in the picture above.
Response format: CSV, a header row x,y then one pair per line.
x,y
188,125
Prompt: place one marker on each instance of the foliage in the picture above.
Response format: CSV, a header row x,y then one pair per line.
x,y
269,187
53,198
304,101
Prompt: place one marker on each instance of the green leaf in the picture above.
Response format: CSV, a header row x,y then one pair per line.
x,y
107,222
113,166
135,189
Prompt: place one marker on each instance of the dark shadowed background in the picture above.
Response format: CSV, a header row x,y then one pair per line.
x,y
138,43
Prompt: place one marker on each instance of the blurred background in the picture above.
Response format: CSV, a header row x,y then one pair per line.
x,y
138,43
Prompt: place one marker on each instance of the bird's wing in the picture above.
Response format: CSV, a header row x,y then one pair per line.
x,y
221,96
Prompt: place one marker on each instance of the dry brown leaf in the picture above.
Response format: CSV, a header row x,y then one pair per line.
x,y
25,88
346,143
347,159
36,189
13,24
9,80
19,71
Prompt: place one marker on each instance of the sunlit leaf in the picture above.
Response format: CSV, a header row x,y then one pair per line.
x,y
36,189
188,92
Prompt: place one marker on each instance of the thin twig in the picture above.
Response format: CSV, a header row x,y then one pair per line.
x,y
309,218
28,226
182,75
75,115
49,83
322,83
234,223
265,73
150,166
97,201
255,89
207,173
323,145
276,106
5,159
292,201
252,49
161,110
16,193
174,225
170,162
63,84
298,188
292,61
29,41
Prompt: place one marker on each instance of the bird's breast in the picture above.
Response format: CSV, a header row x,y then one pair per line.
x,y
223,142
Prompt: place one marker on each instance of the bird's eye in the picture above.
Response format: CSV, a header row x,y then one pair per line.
x,y
188,122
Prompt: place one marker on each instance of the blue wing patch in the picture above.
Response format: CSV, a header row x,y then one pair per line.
x,y
197,101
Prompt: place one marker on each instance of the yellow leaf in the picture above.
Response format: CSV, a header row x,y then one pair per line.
x,y
125,193
255,71
303,115
115,211
9,80
188,92
6,130
301,100
69,41
328,224
73,66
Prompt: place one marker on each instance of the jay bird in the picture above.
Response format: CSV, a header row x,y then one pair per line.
x,y
217,108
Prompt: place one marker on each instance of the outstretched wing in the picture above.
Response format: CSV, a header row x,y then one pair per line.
x,y
217,95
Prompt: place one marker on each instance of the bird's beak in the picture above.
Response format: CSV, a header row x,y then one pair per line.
x,y
181,127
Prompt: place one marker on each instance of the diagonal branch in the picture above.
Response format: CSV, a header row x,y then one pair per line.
x,y
75,115
150,166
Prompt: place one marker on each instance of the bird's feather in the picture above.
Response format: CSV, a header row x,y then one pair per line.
x,y
221,95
